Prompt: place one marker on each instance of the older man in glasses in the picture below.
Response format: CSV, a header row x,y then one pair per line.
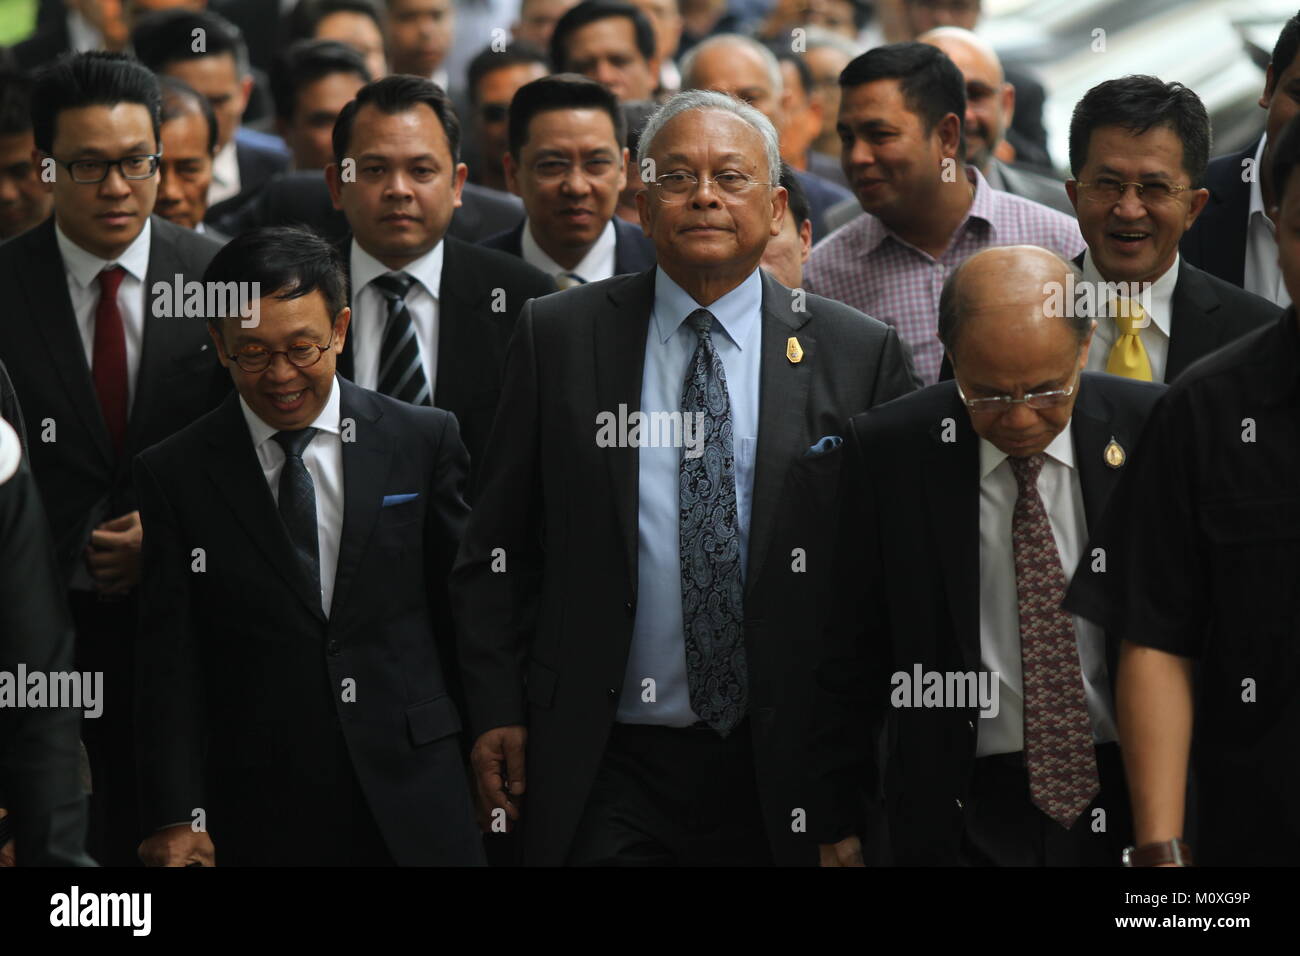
x,y
647,554
949,641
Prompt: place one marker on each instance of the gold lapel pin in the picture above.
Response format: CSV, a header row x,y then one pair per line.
x,y
793,351
1114,453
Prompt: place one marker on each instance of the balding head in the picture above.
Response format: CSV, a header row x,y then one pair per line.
x,y
738,66
990,99
1007,320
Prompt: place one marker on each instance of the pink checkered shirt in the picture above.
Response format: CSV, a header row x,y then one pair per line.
x,y
864,265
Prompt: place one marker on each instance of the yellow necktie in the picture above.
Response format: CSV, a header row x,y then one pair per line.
x,y
1128,356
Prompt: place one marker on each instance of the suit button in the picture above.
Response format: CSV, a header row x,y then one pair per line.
x,y
611,691
971,725
630,608
332,648
959,803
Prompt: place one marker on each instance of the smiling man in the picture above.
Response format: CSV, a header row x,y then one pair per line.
x,y
100,374
298,689
649,586
568,163
611,42
1138,149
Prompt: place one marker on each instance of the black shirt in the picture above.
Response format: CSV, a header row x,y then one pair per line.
x,y
1202,548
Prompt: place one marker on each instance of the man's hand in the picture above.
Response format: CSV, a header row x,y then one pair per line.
x,y
179,845
848,852
498,762
113,555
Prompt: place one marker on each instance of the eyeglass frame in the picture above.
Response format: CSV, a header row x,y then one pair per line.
x,y
1002,403
1176,190
272,353
686,196
108,167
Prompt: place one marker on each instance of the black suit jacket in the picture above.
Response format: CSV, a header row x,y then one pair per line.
x,y
179,378
1216,242
545,643
240,703
908,579
472,333
823,195
256,167
633,252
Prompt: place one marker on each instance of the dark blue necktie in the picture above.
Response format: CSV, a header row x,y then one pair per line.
x,y
401,372
298,502
712,586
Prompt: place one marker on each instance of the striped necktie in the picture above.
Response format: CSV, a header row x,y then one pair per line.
x,y
401,371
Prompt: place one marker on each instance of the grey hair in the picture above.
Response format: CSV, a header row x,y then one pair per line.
x,y
712,100
770,62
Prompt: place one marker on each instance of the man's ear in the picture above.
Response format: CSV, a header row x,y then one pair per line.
x,y
1198,199
805,240
622,174
511,170
335,184
215,335
949,130
780,199
458,183
341,323
1008,105
1072,190
1267,96
245,92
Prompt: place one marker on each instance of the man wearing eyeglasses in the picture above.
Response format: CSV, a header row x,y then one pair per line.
x,y
568,163
100,374
634,603
1012,464
1138,151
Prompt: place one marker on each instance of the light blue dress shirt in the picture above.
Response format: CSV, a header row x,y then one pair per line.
x,y
658,639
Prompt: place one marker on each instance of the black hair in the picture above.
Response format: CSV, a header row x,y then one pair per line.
x,y
397,94
169,36
1284,50
307,61
798,200
561,91
930,82
806,78
305,18
1286,157
636,114
489,60
90,79
15,103
179,98
589,11
287,262
1139,103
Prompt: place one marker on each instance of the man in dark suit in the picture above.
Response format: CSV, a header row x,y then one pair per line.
x,y
105,368
1156,314
1235,236
433,315
568,162
1012,463
294,708
639,642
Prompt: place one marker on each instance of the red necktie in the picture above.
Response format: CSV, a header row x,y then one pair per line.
x,y
108,366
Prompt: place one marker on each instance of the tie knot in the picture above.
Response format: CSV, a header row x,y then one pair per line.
x,y
294,443
701,320
1129,316
393,286
567,280
1026,470
110,279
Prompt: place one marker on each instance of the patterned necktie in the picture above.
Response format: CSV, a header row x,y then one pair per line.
x,y
401,372
567,280
1128,356
712,588
298,502
108,357
1058,734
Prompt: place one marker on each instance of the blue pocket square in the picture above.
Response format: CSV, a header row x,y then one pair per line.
x,y
390,500
825,444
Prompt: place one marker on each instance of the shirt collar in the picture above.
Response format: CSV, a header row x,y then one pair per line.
x,y
326,421
736,312
1162,291
598,263
85,266
1256,192
426,270
225,165
874,232
1061,449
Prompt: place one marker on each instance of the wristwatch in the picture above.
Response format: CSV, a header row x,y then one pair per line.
x,y
1154,854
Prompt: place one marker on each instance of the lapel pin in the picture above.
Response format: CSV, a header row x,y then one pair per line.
x,y
793,351
1114,454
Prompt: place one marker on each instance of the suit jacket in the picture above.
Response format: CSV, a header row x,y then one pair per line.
x,y
822,196
1216,242
472,335
179,378
1020,181
240,704
633,252
10,410
257,164
908,573
546,642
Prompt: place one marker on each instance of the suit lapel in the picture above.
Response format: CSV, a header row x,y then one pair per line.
x,y
366,461
461,288
345,362
620,337
237,475
782,402
1193,331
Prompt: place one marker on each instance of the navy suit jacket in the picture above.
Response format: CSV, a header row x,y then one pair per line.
x,y
1216,242
633,252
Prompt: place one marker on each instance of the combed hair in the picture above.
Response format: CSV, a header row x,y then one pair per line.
x,y
15,103
710,100
307,61
930,82
167,37
180,99
589,11
306,16
489,60
286,262
798,201
1284,50
90,79
769,58
561,91
396,94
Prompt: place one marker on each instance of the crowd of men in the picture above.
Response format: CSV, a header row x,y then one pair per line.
x,y
665,432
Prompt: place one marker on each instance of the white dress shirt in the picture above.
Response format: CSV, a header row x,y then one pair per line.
x,y
597,264
370,313
1263,274
225,175
324,460
1154,336
82,269
1058,486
